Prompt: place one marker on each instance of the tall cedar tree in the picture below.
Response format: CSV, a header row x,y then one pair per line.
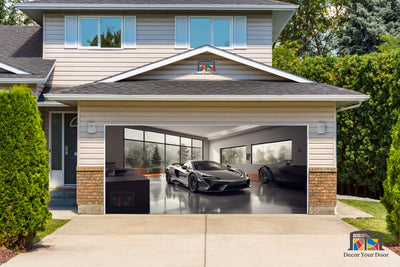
x,y
24,168
314,28
368,21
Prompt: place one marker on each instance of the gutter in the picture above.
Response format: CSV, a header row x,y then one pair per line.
x,y
40,6
103,97
349,107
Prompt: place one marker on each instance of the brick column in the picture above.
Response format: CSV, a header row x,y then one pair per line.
x,y
90,190
322,190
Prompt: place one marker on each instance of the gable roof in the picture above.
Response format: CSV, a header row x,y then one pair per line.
x,y
201,50
21,55
178,90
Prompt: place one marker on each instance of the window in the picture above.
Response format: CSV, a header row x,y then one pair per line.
x,y
233,155
150,149
100,32
109,30
273,152
215,31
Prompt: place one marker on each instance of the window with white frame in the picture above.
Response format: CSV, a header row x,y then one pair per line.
x,y
100,32
222,32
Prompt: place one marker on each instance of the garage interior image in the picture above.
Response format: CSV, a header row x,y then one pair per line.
x,y
145,171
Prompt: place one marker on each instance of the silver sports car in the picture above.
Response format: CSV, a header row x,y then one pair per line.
x,y
207,176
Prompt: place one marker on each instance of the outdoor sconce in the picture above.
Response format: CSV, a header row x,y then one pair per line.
x,y
91,129
321,128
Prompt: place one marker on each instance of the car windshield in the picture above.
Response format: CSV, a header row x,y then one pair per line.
x,y
208,166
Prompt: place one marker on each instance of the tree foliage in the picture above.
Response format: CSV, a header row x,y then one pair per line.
x,y
391,197
156,158
368,20
24,182
314,28
363,138
9,15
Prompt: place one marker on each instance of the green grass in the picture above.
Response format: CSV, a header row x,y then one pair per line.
x,y
51,226
378,223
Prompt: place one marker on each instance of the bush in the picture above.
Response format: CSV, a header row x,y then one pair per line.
x,y
363,141
391,186
24,182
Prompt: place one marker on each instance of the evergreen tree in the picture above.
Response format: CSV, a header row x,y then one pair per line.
x,y
368,21
156,158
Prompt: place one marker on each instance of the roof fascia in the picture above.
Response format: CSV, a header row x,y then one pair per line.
x,y
63,6
22,80
200,50
13,69
301,98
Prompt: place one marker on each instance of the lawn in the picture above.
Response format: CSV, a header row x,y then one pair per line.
x,y
51,226
378,223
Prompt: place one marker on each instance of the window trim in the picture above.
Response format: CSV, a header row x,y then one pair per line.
x,y
80,46
231,39
245,154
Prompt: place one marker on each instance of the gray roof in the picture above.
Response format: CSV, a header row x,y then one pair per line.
x,y
179,87
168,2
21,48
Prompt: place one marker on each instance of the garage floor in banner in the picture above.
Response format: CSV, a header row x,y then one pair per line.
x,y
259,199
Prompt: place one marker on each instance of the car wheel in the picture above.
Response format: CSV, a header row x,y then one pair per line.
x,y
265,175
168,178
193,183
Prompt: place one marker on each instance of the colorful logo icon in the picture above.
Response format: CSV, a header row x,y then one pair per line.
x,y
365,240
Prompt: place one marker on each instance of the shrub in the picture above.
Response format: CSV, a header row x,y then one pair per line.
x,y
24,182
391,186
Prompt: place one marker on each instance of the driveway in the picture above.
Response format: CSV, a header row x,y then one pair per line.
x,y
200,240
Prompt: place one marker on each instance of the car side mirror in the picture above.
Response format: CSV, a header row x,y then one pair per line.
x,y
184,167
229,166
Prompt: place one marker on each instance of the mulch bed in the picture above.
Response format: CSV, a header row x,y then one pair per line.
x,y
6,254
395,249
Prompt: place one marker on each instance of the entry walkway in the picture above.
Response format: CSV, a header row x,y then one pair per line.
x,y
200,240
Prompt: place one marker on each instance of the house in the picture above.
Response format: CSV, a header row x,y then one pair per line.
x,y
179,75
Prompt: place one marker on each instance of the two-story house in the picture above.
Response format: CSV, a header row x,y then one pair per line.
x,y
195,71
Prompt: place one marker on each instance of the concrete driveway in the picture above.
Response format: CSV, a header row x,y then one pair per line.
x,y
200,240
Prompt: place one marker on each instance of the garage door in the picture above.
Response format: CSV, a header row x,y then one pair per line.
x,y
231,169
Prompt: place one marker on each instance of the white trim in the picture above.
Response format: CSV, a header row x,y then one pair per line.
x,y
106,97
40,6
200,50
50,104
13,69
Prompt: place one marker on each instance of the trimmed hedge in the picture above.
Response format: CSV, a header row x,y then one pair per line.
x,y
363,133
391,197
24,182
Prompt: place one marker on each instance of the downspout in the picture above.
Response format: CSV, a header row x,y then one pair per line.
x,y
348,107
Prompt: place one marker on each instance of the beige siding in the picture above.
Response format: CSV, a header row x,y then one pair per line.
x,y
155,41
322,148
225,69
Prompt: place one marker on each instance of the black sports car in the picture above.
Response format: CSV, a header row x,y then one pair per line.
x,y
283,172
207,176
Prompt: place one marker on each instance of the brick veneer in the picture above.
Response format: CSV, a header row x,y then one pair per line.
x,y
90,189
322,190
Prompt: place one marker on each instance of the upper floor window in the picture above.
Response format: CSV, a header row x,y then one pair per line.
x,y
223,32
100,32
215,31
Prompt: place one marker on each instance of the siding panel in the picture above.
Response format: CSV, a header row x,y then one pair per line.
x,y
155,41
322,148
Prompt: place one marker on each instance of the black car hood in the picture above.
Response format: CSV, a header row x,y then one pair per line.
x,y
225,174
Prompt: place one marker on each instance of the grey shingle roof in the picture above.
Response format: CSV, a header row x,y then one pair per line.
x,y
21,48
173,87
169,2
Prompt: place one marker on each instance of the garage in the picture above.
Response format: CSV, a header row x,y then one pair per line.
x,y
277,153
